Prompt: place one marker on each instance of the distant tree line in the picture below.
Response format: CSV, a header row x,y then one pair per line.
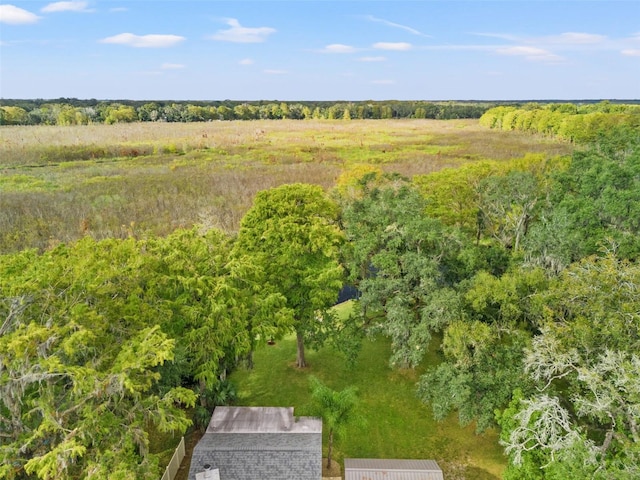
x,y
69,111
73,111
576,123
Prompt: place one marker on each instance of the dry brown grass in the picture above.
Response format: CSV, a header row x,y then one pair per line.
x,y
58,183
335,471
440,141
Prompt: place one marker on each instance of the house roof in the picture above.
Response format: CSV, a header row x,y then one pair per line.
x,y
391,469
245,442
261,420
257,443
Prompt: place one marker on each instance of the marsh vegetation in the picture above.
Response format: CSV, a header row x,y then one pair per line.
x,y
59,183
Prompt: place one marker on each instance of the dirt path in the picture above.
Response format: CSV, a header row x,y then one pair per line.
x,y
191,438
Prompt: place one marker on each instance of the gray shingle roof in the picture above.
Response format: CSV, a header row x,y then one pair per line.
x,y
259,443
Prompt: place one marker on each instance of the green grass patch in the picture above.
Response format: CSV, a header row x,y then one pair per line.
x,y
398,424
25,183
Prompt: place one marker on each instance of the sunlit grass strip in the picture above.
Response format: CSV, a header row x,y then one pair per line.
x,y
24,183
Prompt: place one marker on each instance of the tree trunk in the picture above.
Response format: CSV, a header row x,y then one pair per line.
x,y
607,441
250,360
330,449
300,360
202,388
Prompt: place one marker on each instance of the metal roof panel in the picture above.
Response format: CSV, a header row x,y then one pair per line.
x,y
391,469
261,420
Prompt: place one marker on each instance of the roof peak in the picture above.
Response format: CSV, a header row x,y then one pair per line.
x,y
261,420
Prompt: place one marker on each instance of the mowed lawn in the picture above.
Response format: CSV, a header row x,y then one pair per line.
x,y
398,424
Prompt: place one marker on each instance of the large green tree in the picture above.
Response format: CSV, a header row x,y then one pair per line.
x,y
585,361
80,345
291,233
452,193
484,349
482,366
209,310
593,200
507,204
396,257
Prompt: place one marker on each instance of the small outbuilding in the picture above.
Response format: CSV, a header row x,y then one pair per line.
x,y
389,469
258,443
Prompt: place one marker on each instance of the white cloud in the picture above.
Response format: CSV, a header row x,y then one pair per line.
x,y
631,52
383,82
502,36
16,16
239,34
172,66
372,59
567,38
246,61
275,72
144,41
397,46
338,48
522,51
65,7
574,38
461,48
371,18
530,53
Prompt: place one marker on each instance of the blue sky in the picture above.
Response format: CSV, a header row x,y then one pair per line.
x,y
320,50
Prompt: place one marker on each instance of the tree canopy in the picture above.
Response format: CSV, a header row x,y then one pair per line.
x,y
73,111
396,257
291,234
79,349
584,420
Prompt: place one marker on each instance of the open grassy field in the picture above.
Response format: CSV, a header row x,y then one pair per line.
x,y
398,424
60,183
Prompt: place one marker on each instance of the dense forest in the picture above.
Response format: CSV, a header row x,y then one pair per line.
x,y
82,112
73,111
575,123
525,272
